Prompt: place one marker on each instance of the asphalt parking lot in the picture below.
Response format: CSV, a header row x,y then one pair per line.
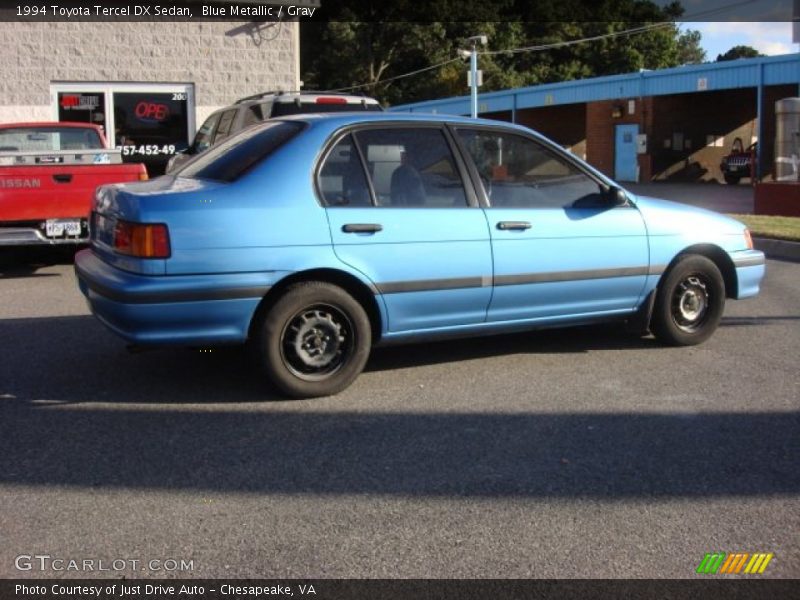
x,y
562,453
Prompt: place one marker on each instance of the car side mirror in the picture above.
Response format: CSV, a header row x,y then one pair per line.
x,y
616,196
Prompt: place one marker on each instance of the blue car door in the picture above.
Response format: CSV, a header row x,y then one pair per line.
x,y
562,249
400,213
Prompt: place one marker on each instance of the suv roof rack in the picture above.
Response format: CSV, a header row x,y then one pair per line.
x,y
305,92
257,96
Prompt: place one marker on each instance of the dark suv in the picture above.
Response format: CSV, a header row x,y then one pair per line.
x,y
260,107
739,163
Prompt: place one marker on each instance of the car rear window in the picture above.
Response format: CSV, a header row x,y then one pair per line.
x,y
232,158
280,109
49,139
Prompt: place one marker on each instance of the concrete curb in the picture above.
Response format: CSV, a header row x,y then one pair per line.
x,y
780,249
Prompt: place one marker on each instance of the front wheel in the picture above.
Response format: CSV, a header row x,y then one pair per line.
x,y
314,341
689,302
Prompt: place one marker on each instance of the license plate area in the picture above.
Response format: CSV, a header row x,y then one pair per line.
x,y
62,227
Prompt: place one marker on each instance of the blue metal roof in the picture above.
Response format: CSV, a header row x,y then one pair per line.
x,y
734,74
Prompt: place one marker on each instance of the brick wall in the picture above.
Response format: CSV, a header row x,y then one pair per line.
x,y
224,60
725,115
600,131
565,125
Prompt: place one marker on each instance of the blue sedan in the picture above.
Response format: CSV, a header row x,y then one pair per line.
x,y
313,238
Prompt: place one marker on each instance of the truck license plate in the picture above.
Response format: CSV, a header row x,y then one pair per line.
x,y
56,227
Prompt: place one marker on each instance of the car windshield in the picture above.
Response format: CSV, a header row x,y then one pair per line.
x,y
230,159
49,139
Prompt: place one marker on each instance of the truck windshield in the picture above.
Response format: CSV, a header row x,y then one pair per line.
x,y
49,139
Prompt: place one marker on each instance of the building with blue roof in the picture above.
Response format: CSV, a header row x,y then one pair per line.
x,y
670,124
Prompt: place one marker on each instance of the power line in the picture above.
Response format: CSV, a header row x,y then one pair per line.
x,y
595,38
363,85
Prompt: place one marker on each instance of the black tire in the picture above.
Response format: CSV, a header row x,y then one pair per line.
x,y
732,179
313,341
689,302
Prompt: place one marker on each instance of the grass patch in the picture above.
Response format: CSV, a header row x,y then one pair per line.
x,y
779,228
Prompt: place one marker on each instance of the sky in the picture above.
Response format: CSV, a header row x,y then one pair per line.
x,y
768,38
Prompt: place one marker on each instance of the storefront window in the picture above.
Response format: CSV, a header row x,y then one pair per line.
x,y
150,127
83,107
147,122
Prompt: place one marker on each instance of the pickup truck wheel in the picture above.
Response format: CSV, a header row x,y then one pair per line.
x,y
314,341
732,179
689,302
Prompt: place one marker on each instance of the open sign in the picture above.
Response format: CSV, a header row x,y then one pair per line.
x,y
69,100
151,111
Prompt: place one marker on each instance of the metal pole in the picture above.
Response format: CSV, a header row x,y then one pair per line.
x,y
760,131
473,68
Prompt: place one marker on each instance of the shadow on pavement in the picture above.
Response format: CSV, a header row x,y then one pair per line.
x,y
67,418
433,454
74,359
25,262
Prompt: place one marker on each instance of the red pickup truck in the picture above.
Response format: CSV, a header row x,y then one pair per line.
x,y
48,176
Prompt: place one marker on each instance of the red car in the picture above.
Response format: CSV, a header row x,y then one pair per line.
x,y
48,176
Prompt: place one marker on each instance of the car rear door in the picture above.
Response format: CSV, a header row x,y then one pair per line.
x,y
561,248
401,214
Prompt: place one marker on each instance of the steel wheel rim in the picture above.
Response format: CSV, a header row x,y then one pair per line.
x,y
691,302
317,342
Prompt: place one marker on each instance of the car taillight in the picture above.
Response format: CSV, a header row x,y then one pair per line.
x,y
331,100
143,177
145,240
748,240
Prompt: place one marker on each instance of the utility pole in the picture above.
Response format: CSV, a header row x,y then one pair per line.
x,y
475,76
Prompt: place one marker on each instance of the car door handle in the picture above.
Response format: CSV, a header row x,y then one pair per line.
x,y
62,178
362,227
513,225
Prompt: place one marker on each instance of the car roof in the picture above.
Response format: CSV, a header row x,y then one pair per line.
x,y
343,119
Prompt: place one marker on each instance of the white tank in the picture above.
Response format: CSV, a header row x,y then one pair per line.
x,y
787,139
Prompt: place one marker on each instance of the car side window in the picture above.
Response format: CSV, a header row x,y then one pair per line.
x,y
412,167
256,113
342,181
225,124
518,172
205,135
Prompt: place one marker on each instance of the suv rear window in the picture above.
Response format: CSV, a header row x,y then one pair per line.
x,y
280,109
230,159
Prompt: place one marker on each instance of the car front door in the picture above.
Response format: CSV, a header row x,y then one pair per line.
x,y
400,213
562,249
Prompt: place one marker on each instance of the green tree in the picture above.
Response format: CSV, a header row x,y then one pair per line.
x,y
739,52
360,45
689,50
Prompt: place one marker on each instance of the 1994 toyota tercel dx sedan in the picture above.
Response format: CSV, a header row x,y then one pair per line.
x,y
312,238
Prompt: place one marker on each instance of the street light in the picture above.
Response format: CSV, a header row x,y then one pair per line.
x,y
475,75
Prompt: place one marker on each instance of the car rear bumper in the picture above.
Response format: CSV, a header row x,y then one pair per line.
x,y
184,310
750,269
31,236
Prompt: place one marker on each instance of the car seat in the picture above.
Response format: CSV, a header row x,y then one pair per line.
x,y
406,188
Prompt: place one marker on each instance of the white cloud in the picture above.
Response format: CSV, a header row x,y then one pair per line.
x,y
768,38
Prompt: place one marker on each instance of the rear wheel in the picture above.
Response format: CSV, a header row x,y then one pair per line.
x,y
689,302
314,341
